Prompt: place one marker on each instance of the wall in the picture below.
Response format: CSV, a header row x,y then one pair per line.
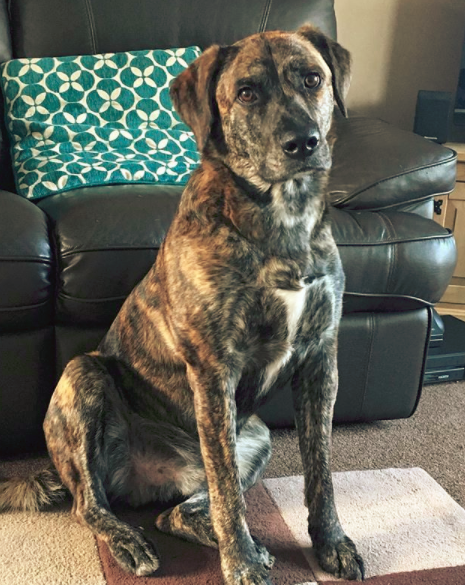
x,y
399,47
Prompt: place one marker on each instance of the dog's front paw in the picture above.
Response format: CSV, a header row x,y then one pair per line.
x,y
341,559
249,567
245,574
133,552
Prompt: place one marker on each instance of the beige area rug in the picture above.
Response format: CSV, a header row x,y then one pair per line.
x,y
408,529
401,520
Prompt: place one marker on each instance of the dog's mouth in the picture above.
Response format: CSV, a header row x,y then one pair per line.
x,y
280,173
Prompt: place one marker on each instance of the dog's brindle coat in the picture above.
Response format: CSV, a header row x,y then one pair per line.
x,y
245,294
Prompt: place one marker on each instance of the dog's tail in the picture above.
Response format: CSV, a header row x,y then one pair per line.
x,y
34,492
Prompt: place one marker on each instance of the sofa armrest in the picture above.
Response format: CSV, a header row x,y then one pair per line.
x,y
393,261
378,166
26,265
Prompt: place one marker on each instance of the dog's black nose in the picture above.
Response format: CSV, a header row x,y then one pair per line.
x,y
301,145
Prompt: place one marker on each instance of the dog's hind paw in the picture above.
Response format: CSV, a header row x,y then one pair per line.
x,y
133,552
341,559
265,557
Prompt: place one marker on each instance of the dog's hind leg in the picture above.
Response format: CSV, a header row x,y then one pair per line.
x,y
190,520
253,447
80,412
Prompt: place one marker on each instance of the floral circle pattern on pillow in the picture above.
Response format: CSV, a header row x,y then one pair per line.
x,y
96,119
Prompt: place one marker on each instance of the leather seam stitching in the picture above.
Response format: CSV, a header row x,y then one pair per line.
x,y
157,247
27,259
370,352
402,204
65,296
266,14
91,22
402,241
397,296
25,307
423,366
105,250
393,249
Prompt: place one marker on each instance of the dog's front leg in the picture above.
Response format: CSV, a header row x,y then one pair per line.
x,y
314,389
243,560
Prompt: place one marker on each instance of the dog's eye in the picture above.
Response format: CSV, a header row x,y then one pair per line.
x,y
312,80
247,95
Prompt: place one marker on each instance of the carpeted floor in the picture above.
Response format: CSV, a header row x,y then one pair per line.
x,y
401,520
406,527
433,439
410,531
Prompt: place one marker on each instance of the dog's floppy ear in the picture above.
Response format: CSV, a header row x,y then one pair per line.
x,y
192,93
336,57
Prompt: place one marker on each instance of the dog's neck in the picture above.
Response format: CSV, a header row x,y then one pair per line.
x,y
294,202
280,221
284,211
284,221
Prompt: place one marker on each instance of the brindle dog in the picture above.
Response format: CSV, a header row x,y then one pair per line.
x,y
245,294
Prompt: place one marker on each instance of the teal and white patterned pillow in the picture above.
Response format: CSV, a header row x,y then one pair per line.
x,y
96,119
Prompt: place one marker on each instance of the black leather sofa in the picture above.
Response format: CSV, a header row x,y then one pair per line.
x,y
68,262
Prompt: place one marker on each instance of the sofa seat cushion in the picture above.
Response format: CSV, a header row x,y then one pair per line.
x,y
379,166
108,237
392,260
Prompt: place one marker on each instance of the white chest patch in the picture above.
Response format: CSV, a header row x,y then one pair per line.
x,y
294,301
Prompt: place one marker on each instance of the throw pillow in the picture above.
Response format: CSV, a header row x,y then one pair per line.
x,y
96,119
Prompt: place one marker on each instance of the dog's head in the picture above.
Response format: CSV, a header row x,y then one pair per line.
x,y
265,104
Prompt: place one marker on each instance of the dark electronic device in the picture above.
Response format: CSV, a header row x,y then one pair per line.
x,y
457,126
433,115
446,360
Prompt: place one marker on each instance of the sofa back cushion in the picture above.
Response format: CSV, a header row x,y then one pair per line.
x,y
53,28
56,28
